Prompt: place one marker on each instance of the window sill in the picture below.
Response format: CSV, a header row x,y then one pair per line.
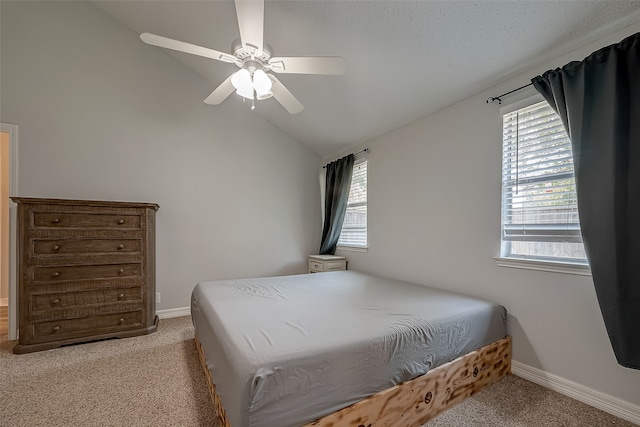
x,y
352,249
554,267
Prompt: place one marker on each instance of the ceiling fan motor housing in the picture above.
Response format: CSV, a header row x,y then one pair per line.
x,y
244,55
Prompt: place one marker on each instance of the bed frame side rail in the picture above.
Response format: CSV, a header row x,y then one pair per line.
x,y
414,402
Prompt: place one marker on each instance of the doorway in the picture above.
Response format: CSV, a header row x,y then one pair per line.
x,y
8,188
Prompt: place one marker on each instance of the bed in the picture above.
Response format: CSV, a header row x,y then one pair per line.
x,y
343,348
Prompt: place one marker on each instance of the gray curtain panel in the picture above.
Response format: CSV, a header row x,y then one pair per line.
x,y
598,101
338,184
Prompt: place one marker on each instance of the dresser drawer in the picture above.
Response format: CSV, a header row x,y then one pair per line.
x,y
60,300
84,246
82,272
81,220
95,324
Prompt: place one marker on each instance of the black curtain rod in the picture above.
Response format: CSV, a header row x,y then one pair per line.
x,y
492,99
366,150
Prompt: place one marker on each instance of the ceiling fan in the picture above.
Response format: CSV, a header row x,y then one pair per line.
x,y
255,60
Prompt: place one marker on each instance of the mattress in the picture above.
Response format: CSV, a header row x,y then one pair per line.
x,y
285,351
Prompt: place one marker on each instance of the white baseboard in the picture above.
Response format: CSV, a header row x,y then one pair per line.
x,y
173,312
605,402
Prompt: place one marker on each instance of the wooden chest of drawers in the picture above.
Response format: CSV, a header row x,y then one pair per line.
x,y
86,271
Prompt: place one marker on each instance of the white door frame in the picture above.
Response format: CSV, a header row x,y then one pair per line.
x,y
12,130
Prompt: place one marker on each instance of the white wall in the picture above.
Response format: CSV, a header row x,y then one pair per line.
x,y
434,218
104,116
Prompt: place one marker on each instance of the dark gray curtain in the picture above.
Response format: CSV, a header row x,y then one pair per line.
x,y
338,184
598,101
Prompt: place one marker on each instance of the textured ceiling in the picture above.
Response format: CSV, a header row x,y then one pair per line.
x,y
405,59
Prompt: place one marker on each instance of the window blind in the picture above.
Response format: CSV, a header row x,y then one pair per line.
x,y
539,212
354,228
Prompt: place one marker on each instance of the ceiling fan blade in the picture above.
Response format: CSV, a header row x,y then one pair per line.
x,y
168,43
221,93
251,24
308,65
284,97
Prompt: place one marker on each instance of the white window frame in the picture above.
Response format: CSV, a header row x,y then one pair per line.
x,y
550,265
365,247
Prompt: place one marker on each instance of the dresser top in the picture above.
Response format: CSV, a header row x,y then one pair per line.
x,y
101,203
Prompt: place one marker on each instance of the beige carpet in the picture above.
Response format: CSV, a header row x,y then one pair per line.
x,y
156,380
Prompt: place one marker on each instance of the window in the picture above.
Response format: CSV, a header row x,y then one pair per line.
x,y
539,204
354,228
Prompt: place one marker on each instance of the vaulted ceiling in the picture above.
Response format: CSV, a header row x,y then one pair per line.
x,y
405,59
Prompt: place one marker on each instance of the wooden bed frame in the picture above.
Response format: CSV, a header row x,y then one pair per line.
x,y
414,402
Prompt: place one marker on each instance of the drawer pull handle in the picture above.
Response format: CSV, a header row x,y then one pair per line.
x,y
121,221
120,246
315,265
56,220
56,328
55,301
56,247
121,321
120,296
56,274
121,270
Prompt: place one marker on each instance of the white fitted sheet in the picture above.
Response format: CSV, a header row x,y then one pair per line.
x,y
284,351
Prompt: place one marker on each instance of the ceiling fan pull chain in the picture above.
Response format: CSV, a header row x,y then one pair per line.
x,y
253,103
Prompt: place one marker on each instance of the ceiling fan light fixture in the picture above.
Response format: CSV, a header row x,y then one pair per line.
x,y
262,85
263,96
261,82
241,80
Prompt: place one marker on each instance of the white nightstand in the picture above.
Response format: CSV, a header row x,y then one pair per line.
x,y
320,263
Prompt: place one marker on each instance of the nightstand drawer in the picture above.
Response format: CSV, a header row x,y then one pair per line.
x,y
335,265
316,265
